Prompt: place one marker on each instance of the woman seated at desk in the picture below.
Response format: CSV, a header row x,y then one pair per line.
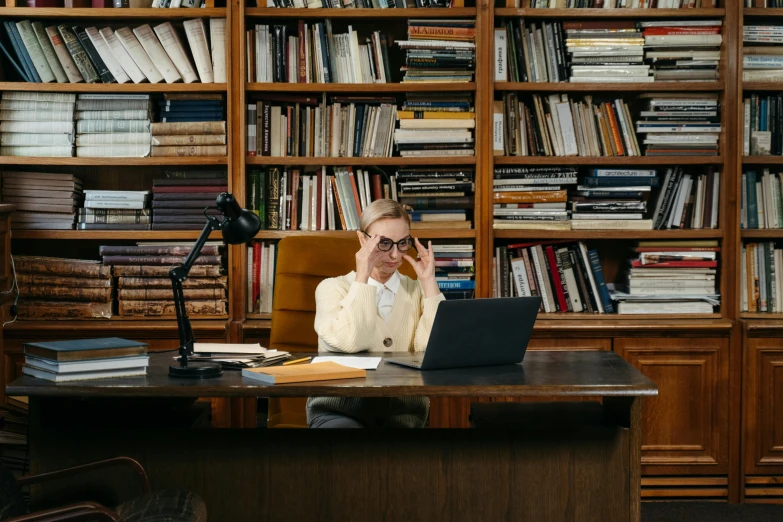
x,y
377,309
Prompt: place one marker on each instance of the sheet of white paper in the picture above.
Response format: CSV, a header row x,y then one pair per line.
x,y
362,363
248,349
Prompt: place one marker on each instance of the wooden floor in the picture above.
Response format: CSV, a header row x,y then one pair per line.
x,y
710,511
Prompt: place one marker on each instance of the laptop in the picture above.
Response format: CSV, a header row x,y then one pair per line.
x,y
476,332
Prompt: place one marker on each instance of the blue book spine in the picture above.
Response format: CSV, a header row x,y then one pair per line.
x,y
28,60
468,284
358,130
753,209
13,62
20,52
600,282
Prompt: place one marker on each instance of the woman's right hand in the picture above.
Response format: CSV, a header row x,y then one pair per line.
x,y
367,257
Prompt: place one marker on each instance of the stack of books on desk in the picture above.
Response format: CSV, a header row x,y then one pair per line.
x,y
76,360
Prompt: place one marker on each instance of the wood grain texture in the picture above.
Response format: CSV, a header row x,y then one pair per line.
x,y
611,13
360,87
120,14
763,422
685,428
610,87
381,14
609,160
542,373
356,475
360,162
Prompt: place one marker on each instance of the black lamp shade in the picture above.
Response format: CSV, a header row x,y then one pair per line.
x,y
240,225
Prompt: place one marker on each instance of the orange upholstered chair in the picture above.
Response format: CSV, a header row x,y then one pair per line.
x,y
302,263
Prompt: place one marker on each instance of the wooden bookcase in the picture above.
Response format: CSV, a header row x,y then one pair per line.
x,y
697,442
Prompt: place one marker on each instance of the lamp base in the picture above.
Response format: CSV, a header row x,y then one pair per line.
x,y
196,371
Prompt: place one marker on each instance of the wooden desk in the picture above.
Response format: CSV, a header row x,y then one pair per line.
x,y
584,466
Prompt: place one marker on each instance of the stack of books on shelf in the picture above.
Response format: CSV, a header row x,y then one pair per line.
x,y
613,199
300,126
439,51
44,200
762,63
532,197
144,269
36,124
761,204
567,276
621,4
670,277
605,51
671,46
680,124
437,197
261,262
65,361
75,54
436,124
556,125
455,270
113,125
115,210
688,199
58,288
313,53
178,203
194,131
761,282
762,133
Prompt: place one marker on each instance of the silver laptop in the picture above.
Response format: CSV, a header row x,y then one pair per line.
x,y
476,332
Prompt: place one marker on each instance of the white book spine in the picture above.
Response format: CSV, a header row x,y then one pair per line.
x,y
138,54
49,53
35,51
107,55
121,55
197,39
172,44
217,39
157,54
501,60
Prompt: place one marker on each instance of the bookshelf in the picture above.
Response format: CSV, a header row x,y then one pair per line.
x,y
702,363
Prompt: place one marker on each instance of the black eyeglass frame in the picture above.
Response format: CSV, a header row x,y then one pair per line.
x,y
409,239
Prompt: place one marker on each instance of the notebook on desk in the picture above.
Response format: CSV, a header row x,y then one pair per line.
x,y
476,332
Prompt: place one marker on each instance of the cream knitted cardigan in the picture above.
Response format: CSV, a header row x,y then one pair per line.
x,y
347,321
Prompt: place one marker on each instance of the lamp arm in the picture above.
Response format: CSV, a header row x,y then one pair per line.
x,y
177,275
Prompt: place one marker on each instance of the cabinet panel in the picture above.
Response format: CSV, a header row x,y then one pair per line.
x,y
764,406
685,428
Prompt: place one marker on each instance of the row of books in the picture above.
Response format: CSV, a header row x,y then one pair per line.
x,y
317,198
75,54
761,284
436,50
111,125
556,125
57,288
761,202
663,277
762,133
361,126
560,198
602,51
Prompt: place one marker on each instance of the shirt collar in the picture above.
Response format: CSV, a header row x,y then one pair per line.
x,y
392,284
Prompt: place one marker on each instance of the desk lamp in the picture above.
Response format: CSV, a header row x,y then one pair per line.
x,y
238,226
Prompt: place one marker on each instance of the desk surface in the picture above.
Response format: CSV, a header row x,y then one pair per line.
x,y
542,373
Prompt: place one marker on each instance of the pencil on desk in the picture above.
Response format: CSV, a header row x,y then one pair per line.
x,y
297,361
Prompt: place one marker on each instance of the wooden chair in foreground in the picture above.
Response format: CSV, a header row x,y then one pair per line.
x,y
302,263
168,505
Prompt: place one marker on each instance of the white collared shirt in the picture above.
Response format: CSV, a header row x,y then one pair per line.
x,y
385,293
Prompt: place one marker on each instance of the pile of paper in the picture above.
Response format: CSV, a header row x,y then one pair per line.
x,y
238,355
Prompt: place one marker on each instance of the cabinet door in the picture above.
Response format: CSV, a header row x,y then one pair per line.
x,y
764,406
685,428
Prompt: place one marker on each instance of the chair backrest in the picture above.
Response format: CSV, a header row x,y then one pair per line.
x,y
302,263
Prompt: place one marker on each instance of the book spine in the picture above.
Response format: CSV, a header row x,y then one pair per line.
x,y
78,54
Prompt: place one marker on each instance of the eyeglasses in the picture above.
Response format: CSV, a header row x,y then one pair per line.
x,y
386,244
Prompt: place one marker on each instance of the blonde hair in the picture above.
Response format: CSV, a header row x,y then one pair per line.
x,y
382,209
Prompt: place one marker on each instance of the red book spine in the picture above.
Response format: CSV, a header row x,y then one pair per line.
x,y
556,282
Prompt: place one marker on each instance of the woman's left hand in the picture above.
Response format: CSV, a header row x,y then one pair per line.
x,y
424,267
